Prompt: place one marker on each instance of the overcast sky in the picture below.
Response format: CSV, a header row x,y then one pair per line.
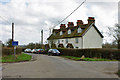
x,y
31,16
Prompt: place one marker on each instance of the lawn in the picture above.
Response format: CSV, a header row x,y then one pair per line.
x,y
19,58
86,59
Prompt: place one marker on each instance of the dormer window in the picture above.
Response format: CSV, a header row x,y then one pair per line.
x,y
79,30
61,33
69,31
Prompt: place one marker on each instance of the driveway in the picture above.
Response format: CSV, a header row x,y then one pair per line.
x,y
58,67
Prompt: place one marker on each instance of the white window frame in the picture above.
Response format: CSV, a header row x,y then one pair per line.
x,y
76,40
79,30
61,33
66,40
69,31
58,41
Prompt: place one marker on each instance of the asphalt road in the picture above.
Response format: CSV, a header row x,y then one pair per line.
x,y
58,67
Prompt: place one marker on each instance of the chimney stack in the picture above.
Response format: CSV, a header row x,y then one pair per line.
x,y
62,26
91,20
79,22
70,24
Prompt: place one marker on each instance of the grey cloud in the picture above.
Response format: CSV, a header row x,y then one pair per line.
x,y
30,19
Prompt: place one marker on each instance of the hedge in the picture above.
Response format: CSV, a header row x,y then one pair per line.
x,y
92,53
10,51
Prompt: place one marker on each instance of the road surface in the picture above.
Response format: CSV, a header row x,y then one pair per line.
x,y
58,67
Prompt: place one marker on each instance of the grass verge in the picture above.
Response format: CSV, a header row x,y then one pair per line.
x,y
19,58
118,73
86,59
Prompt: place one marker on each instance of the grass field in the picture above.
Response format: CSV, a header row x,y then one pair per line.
x,y
19,58
86,59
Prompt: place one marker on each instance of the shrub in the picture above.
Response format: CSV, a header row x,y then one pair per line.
x,y
92,53
10,51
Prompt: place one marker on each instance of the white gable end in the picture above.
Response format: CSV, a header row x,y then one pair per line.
x,y
92,39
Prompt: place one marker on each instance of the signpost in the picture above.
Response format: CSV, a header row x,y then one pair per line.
x,y
14,43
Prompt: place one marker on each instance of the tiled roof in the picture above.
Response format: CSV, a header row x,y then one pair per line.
x,y
74,33
56,30
66,35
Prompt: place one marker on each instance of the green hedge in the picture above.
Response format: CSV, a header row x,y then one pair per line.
x,y
92,53
10,51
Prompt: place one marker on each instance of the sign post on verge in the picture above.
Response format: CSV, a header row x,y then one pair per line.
x,y
14,43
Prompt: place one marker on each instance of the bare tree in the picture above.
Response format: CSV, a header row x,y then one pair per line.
x,y
115,32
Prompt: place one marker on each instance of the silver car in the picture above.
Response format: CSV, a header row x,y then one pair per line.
x,y
27,50
53,52
34,51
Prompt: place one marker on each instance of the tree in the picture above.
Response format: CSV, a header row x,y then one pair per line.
x,y
34,45
3,45
9,43
31,45
109,45
115,32
38,45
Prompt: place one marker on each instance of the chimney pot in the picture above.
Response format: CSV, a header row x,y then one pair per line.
x,y
91,20
79,22
70,24
90,17
62,26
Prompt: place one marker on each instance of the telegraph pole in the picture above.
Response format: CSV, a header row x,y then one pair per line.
x,y
42,37
13,40
12,31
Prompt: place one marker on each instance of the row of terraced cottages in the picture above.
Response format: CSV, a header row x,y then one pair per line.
x,y
79,36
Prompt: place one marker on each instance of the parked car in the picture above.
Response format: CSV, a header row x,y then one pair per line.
x,y
40,51
34,51
27,50
53,52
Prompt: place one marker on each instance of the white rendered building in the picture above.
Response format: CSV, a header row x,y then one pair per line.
x,y
80,36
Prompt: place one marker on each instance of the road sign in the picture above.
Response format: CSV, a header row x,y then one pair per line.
x,y
14,43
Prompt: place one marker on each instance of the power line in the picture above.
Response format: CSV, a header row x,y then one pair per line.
x,y
4,19
69,14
